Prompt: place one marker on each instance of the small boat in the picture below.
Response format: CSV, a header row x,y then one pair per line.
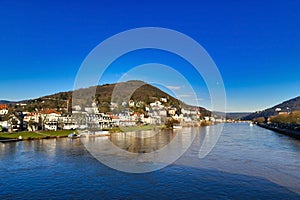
x,y
177,126
102,133
251,124
73,135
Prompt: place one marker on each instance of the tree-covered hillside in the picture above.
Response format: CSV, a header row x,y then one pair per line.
x,y
103,95
287,106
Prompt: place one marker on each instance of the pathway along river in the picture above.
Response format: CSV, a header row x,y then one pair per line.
x,y
247,162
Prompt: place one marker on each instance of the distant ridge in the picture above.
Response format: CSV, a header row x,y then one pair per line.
x,y
237,115
6,102
286,106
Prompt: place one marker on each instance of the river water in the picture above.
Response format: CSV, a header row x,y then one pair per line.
x,y
246,163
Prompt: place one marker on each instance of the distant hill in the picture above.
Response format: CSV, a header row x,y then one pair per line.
x,y
231,115
6,102
141,92
237,115
290,105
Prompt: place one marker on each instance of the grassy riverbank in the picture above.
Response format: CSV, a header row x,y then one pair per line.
x,y
34,135
65,133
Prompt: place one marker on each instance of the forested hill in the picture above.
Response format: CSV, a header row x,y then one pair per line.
x,y
287,106
146,93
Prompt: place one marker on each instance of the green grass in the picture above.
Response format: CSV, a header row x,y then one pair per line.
x,y
25,135
57,133
34,135
63,133
113,130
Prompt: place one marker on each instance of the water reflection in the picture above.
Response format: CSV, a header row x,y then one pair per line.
x,y
128,153
142,141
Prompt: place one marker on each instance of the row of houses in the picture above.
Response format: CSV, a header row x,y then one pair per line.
x,y
48,119
90,117
154,113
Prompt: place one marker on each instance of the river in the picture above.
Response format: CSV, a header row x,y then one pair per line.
x,y
246,163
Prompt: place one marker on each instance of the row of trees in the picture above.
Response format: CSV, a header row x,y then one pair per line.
x,y
290,118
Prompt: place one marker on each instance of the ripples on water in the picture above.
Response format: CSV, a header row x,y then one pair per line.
x,y
248,162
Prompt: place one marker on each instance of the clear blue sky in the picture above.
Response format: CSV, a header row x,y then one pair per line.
x,y
255,44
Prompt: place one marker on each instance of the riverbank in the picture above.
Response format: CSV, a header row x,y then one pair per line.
x,y
37,135
13,137
285,131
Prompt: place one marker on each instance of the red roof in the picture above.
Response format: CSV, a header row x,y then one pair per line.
x,y
114,117
30,114
3,106
49,111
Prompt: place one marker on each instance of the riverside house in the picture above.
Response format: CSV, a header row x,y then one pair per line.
x,y
3,109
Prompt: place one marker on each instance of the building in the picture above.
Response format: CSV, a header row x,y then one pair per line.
x,y
52,125
50,115
115,120
151,120
4,124
156,105
165,100
3,109
16,122
172,111
66,122
162,113
131,103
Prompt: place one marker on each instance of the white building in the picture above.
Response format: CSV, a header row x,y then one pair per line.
x,y
147,109
151,120
3,109
91,110
184,111
172,111
115,120
76,107
163,113
165,100
52,126
131,103
4,124
156,105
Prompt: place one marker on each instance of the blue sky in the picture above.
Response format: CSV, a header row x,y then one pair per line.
x,y
255,45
